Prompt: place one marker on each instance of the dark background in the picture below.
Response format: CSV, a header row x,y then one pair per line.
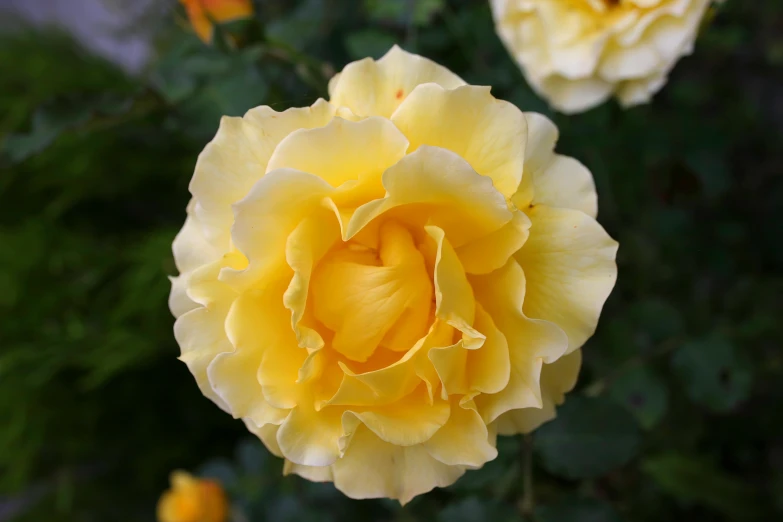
x,y
679,408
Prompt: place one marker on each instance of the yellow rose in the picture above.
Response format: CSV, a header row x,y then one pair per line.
x,y
578,53
204,13
374,287
192,500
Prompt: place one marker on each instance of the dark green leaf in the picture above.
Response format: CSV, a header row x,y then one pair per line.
x,y
713,373
589,437
251,456
220,470
371,42
577,510
696,480
642,393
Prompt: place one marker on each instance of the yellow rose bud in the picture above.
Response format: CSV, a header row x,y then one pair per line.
x,y
191,499
379,284
203,14
578,53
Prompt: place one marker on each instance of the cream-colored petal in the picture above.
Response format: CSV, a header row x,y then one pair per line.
x,y
179,302
267,434
190,247
376,88
542,134
343,150
265,218
312,473
463,440
234,374
260,329
489,133
410,421
200,332
557,379
492,251
483,368
309,437
201,337
237,157
372,468
569,265
577,95
305,247
191,251
565,183
434,186
551,179
531,342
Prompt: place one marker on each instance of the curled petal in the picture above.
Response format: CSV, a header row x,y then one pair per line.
x,y
376,88
463,440
237,157
437,187
531,342
569,264
372,468
551,179
266,217
343,151
489,133
557,379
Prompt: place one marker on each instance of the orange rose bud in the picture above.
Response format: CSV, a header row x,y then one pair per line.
x,y
192,499
204,13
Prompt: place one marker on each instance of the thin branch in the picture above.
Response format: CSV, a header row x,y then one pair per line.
x,y
527,504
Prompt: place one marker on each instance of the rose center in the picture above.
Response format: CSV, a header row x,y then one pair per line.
x,y
374,297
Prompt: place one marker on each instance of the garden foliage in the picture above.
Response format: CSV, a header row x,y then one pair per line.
x,y
677,412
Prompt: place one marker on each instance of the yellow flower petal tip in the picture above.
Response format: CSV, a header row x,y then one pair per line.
x,y
191,499
379,284
203,14
579,53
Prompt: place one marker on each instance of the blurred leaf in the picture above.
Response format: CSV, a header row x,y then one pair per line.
x,y
657,319
58,116
251,456
301,26
642,393
370,42
693,479
589,437
713,373
577,510
220,470
470,509
712,171
401,11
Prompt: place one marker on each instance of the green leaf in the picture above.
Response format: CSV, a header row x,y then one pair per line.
x,y
657,319
220,470
368,43
420,12
577,510
301,27
713,373
696,480
58,116
470,509
251,456
642,393
589,437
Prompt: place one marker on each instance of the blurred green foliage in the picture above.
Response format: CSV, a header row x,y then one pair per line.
x,y
677,412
